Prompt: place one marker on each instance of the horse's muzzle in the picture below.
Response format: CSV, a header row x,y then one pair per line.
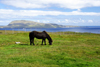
x,y
50,43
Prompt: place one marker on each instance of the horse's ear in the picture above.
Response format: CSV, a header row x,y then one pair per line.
x,y
44,31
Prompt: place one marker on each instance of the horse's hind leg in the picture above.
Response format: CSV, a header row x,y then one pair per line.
x,y
30,41
42,42
33,41
45,41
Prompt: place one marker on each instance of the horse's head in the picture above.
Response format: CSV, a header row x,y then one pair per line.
x,y
50,42
49,38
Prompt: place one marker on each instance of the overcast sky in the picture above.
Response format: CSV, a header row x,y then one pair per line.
x,y
64,12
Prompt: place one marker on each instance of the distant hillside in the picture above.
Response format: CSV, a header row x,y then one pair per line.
x,y
32,24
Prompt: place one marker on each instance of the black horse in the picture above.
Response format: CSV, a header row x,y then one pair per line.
x,y
40,35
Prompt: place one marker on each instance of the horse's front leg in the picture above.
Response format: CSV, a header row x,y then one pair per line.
x,y
43,40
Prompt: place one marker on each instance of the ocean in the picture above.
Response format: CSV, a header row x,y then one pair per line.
x,y
88,29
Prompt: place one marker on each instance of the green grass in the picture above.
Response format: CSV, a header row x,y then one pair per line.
x,y
68,50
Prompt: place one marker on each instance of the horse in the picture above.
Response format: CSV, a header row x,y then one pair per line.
x,y
40,35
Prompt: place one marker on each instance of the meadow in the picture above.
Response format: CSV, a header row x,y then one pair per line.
x,y
67,50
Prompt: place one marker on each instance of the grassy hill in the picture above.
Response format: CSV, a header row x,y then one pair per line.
x,y
68,50
32,24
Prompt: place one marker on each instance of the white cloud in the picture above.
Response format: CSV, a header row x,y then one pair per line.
x,y
59,21
66,21
31,13
48,21
81,20
45,21
1,21
72,4
21,14
38,20
4,22
23,3
90,21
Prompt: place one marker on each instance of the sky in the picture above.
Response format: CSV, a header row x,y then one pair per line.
x,y
62,12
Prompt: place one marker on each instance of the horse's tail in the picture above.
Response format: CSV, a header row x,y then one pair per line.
x,y
47,35
30,35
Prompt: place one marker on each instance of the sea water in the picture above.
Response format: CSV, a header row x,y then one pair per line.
x,y
88,29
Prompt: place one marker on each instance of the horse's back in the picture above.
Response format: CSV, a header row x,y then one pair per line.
x,y
38,35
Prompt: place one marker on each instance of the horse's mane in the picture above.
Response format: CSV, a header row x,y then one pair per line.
x,y
45,32
47,35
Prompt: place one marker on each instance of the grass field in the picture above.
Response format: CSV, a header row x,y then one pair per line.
x,y
68,50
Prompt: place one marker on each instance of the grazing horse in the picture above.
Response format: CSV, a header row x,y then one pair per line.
x,y
40,35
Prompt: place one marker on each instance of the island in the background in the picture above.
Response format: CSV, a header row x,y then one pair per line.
x,y
32,24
